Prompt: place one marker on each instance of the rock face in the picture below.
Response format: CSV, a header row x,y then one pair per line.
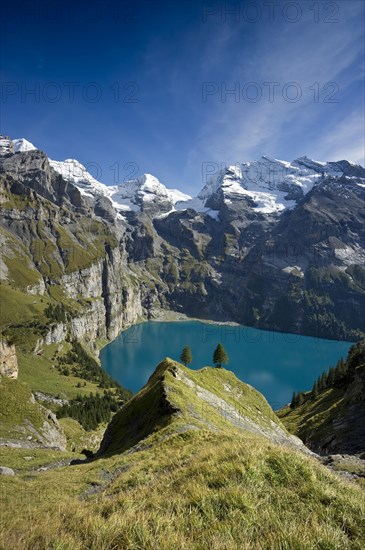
x,y
8,360
56,334
31,170
51,434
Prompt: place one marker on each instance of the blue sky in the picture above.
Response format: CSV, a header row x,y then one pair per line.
x,y
149,81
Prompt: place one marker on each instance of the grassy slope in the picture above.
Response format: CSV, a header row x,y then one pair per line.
x,y
336,412
38,372
18,307
211,486
154,407
313,419
23,461
16,408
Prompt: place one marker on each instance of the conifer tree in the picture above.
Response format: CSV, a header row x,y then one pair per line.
x,y
340,370
220,356
322,382
293,402
186,356
331,377
300,399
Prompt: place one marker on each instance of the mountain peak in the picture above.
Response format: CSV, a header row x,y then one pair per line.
x,y
21,145
266,186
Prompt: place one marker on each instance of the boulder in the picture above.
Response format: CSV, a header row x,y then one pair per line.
x,y
8,360
4,471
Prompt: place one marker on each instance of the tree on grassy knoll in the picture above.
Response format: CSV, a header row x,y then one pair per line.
x,y
220,356
186,356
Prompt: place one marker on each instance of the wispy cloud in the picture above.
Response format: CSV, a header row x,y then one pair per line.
x,y
306,53
344,140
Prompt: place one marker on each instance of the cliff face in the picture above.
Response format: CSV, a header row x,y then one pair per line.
x,y
301,272
58,250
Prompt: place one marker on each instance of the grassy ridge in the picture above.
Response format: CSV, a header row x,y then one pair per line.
x,y
194,479
176,397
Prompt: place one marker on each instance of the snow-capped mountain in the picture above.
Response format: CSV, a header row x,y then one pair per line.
x,y
145,193
141,194
284,250
74,172
21,145
271,185
268,186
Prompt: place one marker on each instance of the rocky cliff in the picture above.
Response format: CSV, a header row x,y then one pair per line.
x,y
59,252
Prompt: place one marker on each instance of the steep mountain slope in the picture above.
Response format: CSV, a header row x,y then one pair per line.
x,y
225,255
334,420
23,419
206,474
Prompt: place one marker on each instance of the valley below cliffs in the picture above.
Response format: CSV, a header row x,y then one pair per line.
x,y
66,240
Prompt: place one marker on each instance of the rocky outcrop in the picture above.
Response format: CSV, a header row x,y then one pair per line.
x,y
56,334
51,433
104,209
27,423
8,360
4,471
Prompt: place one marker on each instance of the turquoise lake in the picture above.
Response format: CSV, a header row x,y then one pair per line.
x,y
275,363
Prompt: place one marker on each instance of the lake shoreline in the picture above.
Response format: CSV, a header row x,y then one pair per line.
x,y
168,316
276,363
